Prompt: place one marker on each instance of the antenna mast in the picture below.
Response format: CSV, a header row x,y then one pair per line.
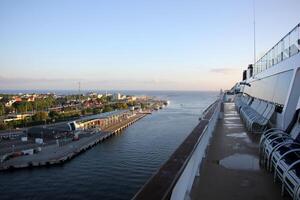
x,y
254,34
79,87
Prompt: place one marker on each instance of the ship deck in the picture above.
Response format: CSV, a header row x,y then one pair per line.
x,y
231,168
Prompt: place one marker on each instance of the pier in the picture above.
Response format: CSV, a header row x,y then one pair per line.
x,y
54,154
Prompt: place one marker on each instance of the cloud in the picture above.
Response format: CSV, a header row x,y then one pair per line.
x,y
60,83
204,82
224,70
31,80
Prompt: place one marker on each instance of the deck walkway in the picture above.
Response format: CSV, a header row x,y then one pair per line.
x,y
231,168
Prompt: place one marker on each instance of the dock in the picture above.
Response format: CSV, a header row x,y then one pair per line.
x,y
54,154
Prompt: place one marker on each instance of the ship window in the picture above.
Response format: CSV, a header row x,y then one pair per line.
x,y
264,62
272,56
294,47
276,55
72,126
286,44
280,50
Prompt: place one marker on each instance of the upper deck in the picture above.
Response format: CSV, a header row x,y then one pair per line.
x,y
231,168
221,160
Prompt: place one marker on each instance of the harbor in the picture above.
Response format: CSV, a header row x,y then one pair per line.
x,y
125,160
150,100
57,153
51,142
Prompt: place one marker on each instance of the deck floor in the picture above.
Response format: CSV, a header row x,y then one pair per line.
x,y
231,167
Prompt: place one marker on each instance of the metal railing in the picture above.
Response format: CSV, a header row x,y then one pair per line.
x,y
175,177
185,181
287,47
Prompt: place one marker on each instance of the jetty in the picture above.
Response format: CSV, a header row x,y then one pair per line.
x,y
55,154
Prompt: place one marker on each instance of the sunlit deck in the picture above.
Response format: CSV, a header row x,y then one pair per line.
x,y
231,168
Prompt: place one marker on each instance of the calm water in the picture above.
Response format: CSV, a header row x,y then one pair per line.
x,y
118,167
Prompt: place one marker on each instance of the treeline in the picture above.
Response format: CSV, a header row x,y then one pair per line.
x,y
44,104
24,106
41,118
106,108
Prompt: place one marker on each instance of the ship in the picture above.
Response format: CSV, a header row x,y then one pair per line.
x,y
247,143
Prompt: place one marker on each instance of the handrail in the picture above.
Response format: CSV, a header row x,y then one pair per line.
x,y
161,184
280,51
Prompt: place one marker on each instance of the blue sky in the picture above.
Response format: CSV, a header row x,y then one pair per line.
x,y
152,45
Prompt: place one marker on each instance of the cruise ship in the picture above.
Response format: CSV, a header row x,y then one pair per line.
x,y
247,143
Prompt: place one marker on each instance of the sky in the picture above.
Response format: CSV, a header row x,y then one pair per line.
x,y
136,44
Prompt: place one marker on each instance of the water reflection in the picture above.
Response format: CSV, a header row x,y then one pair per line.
x,y
240,162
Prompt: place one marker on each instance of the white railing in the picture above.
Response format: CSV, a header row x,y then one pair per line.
x,y
184,184
287,47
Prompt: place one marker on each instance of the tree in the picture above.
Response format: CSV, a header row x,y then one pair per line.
x,y
2,109
53,114
61,101
20,107
4,99
40,116
2,125
121,106
103,99
96,111
89,110
143,106
132,103
8,110
44,104
107,109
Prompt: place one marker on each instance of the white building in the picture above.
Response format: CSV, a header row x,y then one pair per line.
x,y
118,96
10,103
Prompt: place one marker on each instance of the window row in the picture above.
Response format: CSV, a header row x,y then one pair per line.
x,y
287,47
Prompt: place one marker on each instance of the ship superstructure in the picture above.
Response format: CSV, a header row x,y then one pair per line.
x,y
247,143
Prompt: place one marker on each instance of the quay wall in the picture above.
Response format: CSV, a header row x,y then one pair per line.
x,y
58,155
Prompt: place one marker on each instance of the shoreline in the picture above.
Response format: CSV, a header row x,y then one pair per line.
x,y
53,155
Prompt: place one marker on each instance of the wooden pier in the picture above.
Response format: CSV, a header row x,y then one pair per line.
x,y
53,155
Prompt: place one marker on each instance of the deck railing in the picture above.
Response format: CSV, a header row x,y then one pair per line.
x,y
287,47
175,178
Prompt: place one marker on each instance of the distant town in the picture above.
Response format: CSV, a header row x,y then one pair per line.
x,y
23,110
48,129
